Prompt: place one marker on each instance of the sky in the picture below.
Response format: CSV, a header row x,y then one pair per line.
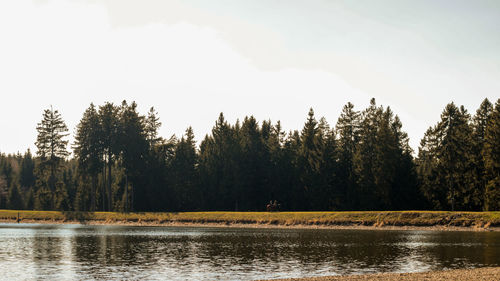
x,y
272,59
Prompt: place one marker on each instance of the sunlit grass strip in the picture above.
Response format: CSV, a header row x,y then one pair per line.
x,y
377,218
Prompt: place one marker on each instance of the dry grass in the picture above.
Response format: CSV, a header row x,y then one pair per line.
x,y
366,218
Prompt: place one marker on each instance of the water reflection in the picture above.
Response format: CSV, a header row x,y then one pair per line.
x,y
45,252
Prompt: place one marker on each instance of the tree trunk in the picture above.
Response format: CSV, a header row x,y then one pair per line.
x,y
103,195
126,194
110,205
92,193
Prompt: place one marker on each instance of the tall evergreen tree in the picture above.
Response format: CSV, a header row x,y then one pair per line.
x,y
405,189
491,156
51,145
447,170
218,166
479,125
88,149
110,124
134,149
311,160
27,172
348,130
365,158
152,126
253,162
184,171
8,172
15,200
330,196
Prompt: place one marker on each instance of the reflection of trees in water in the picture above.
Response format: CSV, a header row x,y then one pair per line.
x,y
49,254
460,249
308,248
104,251
345,251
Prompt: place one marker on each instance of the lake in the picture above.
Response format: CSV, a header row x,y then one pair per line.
x,y
69,252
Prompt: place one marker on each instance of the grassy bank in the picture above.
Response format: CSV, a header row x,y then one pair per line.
x,y
372,218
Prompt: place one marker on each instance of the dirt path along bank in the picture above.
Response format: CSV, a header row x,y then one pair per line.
x,y
477,274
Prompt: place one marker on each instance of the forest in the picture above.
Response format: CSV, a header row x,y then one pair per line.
x,y
118,162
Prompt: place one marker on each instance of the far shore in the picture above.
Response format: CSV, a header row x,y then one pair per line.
x,y
372,220
475,274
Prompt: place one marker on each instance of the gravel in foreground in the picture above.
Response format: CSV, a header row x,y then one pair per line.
x,y
482,274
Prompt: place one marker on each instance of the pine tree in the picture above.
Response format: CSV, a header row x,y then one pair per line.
x,y
88,149
427,162
329,196
184,170
365,158
27,173
133,146
348,129
311,160
29,200
479,125
405,189
51,145
219,167
7,172
153,124
15,200
385,164
295,193
3,192
110,125
253,163
446,163
277,171
491,156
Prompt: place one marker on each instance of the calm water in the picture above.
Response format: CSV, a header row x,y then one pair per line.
x,y
61,252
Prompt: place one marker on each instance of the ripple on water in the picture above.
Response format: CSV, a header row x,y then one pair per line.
x,y
68,252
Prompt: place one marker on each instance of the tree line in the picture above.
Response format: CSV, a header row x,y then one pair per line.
x,y
364,162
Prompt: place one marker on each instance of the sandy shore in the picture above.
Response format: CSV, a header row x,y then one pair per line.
x,y
255,225
478,274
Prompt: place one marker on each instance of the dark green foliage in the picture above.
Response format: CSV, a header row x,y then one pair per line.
x,y
310,160
44,199
29,199
151,128
184,174
219,171
27,173
348,132
7,173
446,162
3,192
51,145
382,162
491,156
365,158
88,149
133,148
15,201
366,163
110,137
479,126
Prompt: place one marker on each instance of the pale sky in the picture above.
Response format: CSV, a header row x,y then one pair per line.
x,y
193,59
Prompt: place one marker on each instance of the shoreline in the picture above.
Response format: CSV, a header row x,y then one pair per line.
x,y
253,225
475,274
369,220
